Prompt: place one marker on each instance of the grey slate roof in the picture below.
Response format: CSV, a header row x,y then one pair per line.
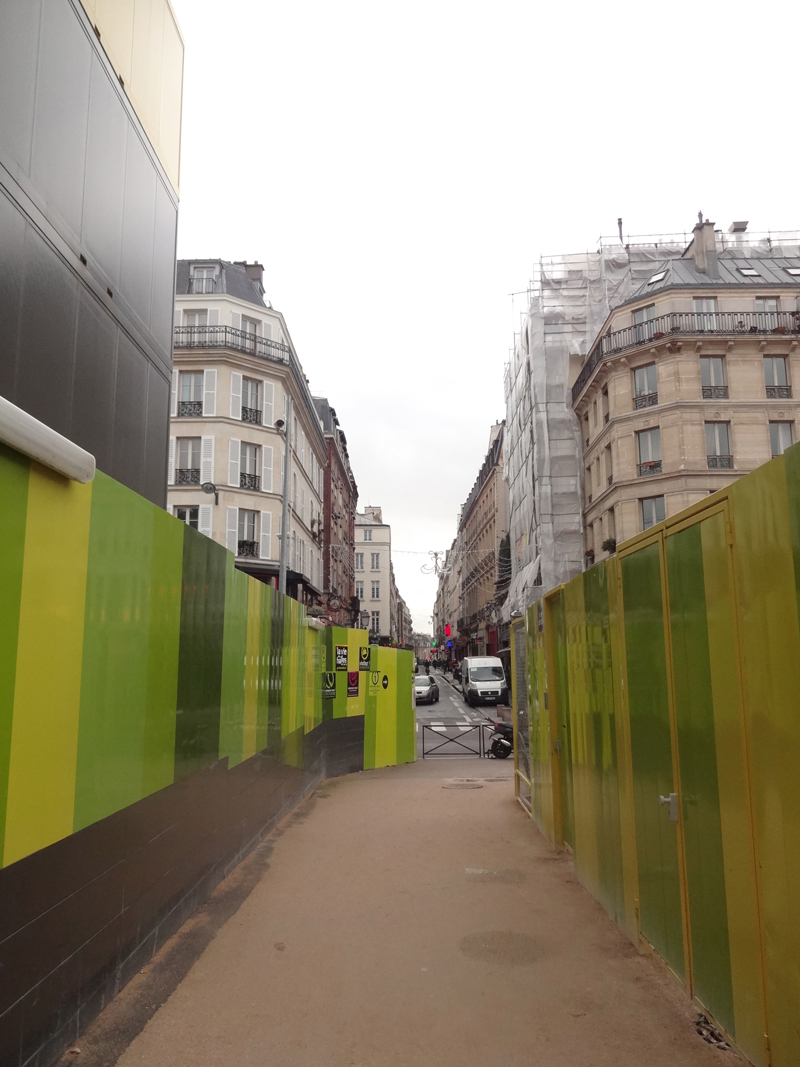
x,y
233,280
683,273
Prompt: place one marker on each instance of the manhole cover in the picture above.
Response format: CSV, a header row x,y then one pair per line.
x,y
461,783
501,946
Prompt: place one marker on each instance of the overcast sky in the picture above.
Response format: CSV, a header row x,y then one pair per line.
x,y
399,167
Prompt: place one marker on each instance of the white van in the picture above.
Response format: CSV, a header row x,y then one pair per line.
x,y
483,680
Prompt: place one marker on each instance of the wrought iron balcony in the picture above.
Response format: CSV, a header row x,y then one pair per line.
x,y
687,323
715,392
247,548
252,415
190,409
250,481
227,337
187,475
201,285
645,400
779,392
720,463
652,466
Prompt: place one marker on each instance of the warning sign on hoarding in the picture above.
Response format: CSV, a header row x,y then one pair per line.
x,y
341,657
328,685
363,658
352,683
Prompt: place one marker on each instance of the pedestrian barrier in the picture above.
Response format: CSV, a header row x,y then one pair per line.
x,y
468,741
662,714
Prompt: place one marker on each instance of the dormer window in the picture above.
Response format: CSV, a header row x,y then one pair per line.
x,y
749,272
794,271
202,280
657,277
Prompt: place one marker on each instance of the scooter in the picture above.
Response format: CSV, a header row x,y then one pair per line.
x,y
501,740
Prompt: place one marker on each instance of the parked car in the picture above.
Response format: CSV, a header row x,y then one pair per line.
x,y
483,680
426,690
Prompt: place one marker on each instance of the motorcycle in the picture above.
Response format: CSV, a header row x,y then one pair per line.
x,y
501,740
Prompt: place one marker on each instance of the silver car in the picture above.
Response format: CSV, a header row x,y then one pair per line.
x,y
426,690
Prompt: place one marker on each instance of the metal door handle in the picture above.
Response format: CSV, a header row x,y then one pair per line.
x,y
672,800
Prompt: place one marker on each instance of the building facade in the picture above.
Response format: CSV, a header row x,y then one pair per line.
x,y
383,611
235,374
89,152
338,522
689,384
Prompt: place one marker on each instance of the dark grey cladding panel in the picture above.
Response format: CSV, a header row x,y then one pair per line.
x,y
12,251
19,42
163,299
136,275
130,415
94,383
156,438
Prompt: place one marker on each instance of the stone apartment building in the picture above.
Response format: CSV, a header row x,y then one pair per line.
x,y
338,523
689,383
383,611
235,372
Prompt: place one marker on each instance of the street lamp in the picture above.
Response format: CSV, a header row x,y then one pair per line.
x,y
285,430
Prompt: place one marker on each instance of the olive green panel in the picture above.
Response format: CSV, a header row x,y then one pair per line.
x,y
234,664
702,831
651,756
272,741
561,653
540,740
14,474
262,599
371,711
406,741
767,544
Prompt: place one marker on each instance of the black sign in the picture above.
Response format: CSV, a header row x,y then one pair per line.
x,y
341,657
385,681
352,683
363,658
328,685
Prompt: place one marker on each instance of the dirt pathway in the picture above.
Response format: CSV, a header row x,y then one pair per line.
x,y
405,922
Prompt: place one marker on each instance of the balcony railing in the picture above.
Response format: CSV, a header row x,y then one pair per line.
x,y
227,337
645,400
187,475
191,409
715,392
677,323
779,392
252,415
201,285
247,548
652,466
250,481
720,463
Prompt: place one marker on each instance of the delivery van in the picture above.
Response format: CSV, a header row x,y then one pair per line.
x,y
483,680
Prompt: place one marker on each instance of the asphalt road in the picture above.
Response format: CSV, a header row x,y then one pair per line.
x,y
451,720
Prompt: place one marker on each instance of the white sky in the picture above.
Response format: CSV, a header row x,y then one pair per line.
x,y
399,167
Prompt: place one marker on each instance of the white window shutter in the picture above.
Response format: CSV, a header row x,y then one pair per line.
x,y
283,464
171,462
266,534
169,509
173,407
236,395
213,317
303,449
204,519
266,329
266,469
207,460
269,404
303,503
234,453
232,529
209,392
236,320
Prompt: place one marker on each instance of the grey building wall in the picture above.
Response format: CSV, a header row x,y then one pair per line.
x,y
87,247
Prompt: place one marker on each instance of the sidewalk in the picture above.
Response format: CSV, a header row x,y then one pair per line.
x,y
410,921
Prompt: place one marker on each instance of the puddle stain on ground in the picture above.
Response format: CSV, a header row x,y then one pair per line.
x,y
503,947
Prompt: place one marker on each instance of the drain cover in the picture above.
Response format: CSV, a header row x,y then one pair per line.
x,y
461,783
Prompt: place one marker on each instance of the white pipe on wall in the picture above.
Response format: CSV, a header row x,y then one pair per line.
x,y
31,437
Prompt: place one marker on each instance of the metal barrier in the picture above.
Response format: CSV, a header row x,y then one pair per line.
x,y
461,743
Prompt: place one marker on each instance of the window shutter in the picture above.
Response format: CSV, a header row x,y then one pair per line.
x,y
232,529
266,534
236,320
169,509
267,330
303,503
234,453
213,317
171,462
207,460
204,519
266,469
283,464
209,392
236,395
269,404
303,449
173,409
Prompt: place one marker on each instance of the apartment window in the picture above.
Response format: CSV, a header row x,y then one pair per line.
x,y
375,622
202,280
187,466
653,511
586,428
609,466
374,561
605,406
248,545
376,590
359,561
648,443
766,312
780,436
188,515
248,467
645,386
775,378
712,377
588,485
610,525
368,535
642,321
718,445
705,313
251,401
196,317
190,394
360,590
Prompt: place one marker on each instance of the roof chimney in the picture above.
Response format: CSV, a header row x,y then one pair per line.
x,y
703,248
254,271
